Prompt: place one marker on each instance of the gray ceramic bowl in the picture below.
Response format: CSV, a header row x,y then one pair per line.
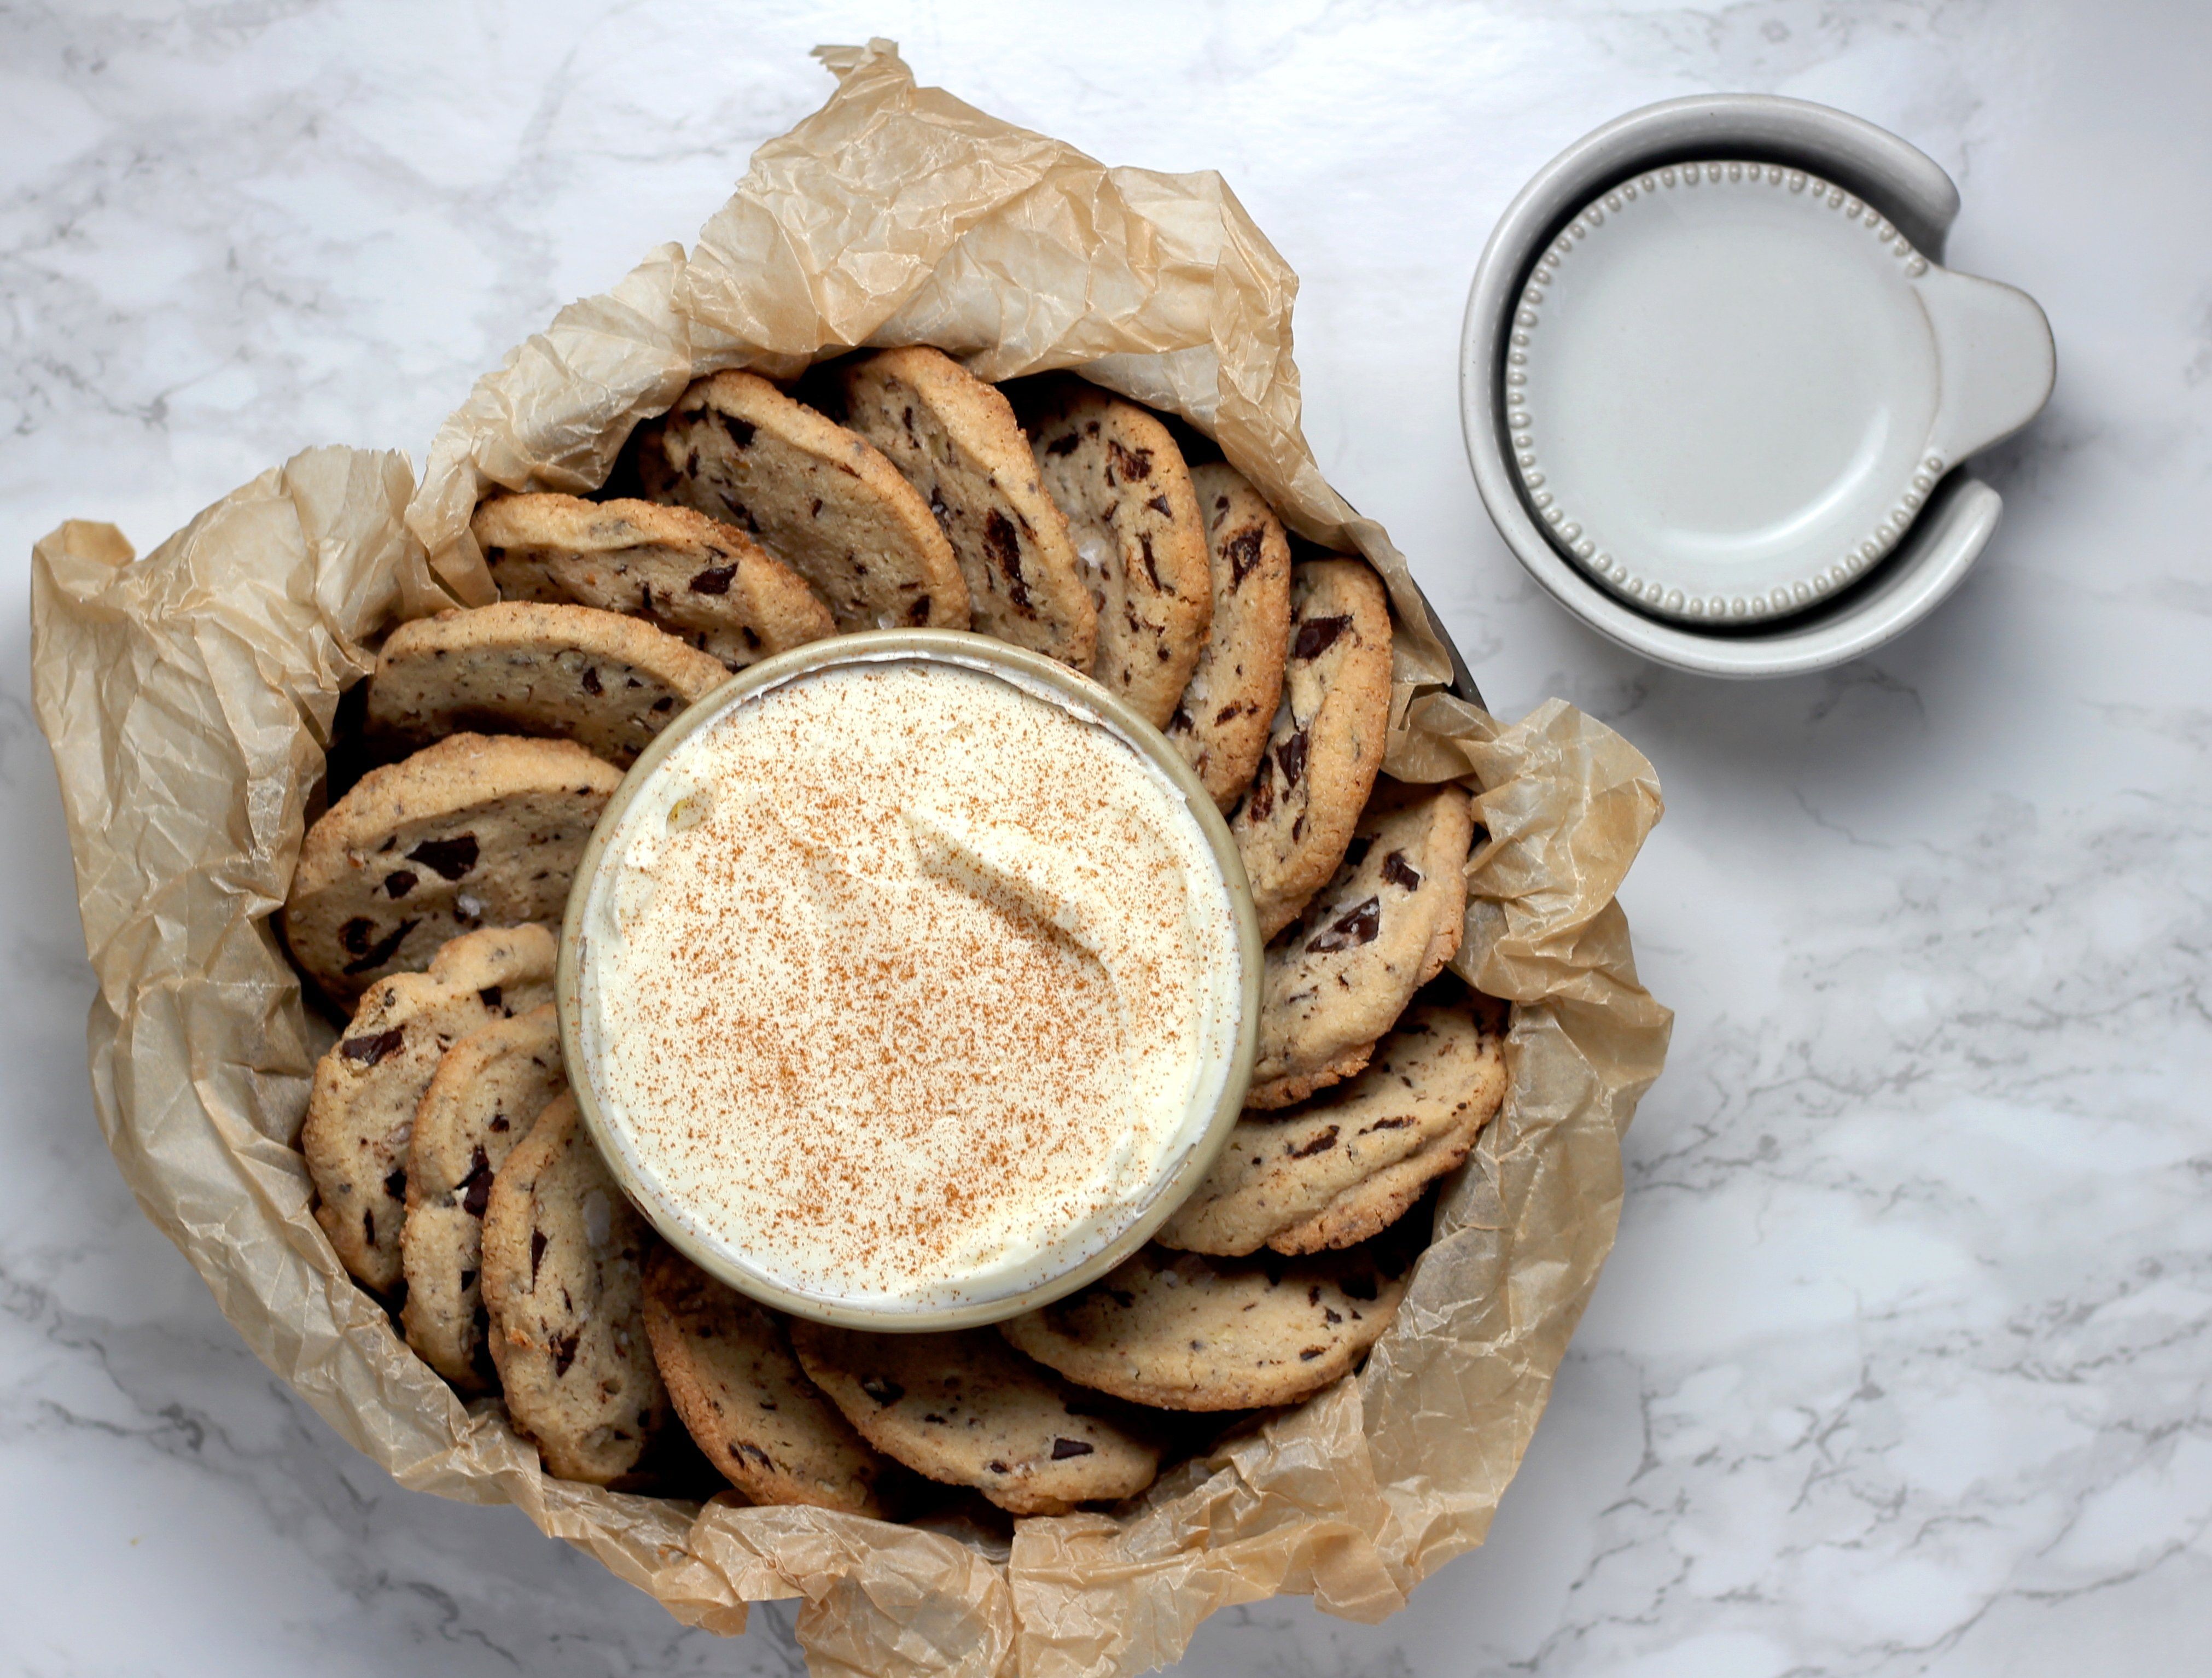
x,y
1934,552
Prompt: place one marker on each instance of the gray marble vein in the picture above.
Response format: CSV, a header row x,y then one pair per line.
x,y
1901,1365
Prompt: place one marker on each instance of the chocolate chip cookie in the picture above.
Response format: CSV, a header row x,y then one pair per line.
x,y
1116,473
705,583
1346,1165
965,1409
478,829
1220,722
956,440
730,1372
822,499
360,1109
607,682
1186,1332
563,1278
1338,978
1325,745
487,1091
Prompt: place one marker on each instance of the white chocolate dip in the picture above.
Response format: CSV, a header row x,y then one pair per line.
x,y
904,984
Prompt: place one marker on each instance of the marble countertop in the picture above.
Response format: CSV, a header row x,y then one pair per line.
x,y
1901,1366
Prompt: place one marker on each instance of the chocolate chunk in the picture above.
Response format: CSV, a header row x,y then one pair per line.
x,y
1311,1353
449,858
589,679
564,1351
395,1184
397,883
1064,1449
998,1468
1243,551
1064,446
741,430
537,1252
885,1393
1159,505
1320,1144
666,703
355,935
1260,803
1355,926
1331,1316
1399,1123
378,953
1356,852
1290,755
1180,723
1235,710
1151,569
1006,548
936,495
369,1227
476,1187
375,1047
1399,871
715,580
491,996
1134,467
1317,635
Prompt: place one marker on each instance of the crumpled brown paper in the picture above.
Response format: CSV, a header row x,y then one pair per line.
x,y
188,697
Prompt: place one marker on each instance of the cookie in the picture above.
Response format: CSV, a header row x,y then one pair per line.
x,y
488,1090
361,1107
1113,469
563,1281
964,1408
607,682
1325,744
478,829
705,583
1339,978
1220,722
729,1372
956,440
822,499
1186,1332
1346,1165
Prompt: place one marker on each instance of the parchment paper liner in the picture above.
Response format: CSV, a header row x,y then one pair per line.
x,y
188,697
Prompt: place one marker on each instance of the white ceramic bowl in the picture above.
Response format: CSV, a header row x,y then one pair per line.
x,y
1716,384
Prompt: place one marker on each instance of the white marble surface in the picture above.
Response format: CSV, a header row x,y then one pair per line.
x,y
1901,1365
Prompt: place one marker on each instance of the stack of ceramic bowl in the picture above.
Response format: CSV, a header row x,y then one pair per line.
x,y
1718,386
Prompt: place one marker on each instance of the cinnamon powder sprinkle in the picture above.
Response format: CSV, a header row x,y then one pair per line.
x,y
908,977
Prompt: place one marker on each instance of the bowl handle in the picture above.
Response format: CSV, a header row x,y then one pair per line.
x,y
1994,358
